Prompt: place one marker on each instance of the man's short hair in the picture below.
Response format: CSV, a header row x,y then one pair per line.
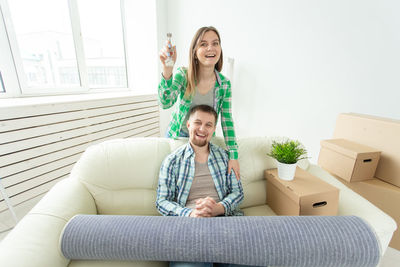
x,y
204,108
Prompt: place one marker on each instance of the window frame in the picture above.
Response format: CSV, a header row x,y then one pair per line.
x,y
7,65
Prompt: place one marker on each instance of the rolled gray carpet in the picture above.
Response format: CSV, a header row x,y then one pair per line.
x,y
258,241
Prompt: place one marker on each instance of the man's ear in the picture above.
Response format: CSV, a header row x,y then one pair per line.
x,y
187,123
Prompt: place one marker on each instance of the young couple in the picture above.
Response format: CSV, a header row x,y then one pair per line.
x,y
199,179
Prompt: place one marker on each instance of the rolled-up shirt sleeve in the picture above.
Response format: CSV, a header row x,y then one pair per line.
x,y
169,90
234,197
166,195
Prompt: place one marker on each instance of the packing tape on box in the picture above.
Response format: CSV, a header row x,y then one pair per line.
x,y
247,240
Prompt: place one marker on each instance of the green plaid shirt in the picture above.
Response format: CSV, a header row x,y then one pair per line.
x,y
172,90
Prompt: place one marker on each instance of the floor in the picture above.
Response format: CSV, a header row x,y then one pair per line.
x,y
390,259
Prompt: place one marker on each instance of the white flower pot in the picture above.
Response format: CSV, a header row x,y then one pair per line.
x,y
286,171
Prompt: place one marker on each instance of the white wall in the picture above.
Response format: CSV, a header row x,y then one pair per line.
x,y
298,64
141,45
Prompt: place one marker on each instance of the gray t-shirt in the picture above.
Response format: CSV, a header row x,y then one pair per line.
x,y
202,186
199,99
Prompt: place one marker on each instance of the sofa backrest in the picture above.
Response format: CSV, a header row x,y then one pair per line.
x,y
122,174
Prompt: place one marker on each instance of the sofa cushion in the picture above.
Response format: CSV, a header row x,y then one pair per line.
x,y
262,210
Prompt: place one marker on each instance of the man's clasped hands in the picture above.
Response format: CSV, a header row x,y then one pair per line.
x,y
207,207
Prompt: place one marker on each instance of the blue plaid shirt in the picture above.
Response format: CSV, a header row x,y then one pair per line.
x,y
176,176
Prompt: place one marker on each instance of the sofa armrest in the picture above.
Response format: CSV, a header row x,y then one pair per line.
x,y
66,199
35,239
351,203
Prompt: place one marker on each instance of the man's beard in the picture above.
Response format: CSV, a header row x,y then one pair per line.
x,y
199,143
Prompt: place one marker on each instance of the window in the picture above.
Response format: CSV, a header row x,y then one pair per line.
x,y
45,42
62,46
103,43
57,47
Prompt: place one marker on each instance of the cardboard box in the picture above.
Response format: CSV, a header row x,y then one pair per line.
x,y
383,195
348,160
380,133
304,195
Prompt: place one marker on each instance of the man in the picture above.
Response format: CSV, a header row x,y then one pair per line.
x,y
193,180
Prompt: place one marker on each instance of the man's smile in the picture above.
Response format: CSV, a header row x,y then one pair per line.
x,y
200,135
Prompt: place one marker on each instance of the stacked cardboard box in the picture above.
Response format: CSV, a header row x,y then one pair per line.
x,y
348,160
382,135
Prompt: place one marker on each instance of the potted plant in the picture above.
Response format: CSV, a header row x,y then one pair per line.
x,y
287,153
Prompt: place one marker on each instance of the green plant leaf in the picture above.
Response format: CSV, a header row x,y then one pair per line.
x,y
288,151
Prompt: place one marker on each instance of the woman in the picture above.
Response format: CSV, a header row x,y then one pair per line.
x,y
200,83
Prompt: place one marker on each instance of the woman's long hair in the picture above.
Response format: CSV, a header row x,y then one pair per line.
x,y
193,68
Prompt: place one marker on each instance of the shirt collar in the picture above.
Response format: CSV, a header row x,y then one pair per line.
x,y
218,78
190,152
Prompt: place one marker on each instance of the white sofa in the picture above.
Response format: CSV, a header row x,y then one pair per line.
x,y
121,176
